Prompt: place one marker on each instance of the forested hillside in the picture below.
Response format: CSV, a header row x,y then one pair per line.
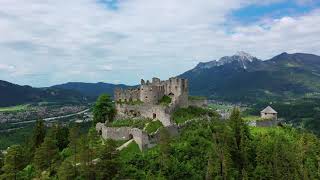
x,y
13,94
206,149
91,89
244,78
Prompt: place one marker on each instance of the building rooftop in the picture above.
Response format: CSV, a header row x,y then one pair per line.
x,y
269,110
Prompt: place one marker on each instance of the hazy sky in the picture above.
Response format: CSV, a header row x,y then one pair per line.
x,y
46,42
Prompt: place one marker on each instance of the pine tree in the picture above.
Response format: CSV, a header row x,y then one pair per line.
x,y
61,134
86,158
74,134
1,161
108,165
219,163
47,154
66,171
164,146
38,135
15,160
241,145
94,139
164,143
103,110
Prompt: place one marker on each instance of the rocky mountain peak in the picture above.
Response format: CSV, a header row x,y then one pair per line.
x,y
245,56
241,57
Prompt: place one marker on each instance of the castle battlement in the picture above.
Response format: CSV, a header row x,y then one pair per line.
x,y
144,100
152,92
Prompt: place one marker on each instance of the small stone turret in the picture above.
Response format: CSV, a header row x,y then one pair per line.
x,y
155,81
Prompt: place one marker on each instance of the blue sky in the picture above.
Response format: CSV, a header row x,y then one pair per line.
x,y
43,43
255,12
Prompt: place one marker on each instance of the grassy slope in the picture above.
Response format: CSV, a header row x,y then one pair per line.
x,y
14,108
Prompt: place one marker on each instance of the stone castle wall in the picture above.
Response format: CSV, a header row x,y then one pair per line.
x,y
159,112
143,139
124,133
198,103
127,95
267,123
269,115
150,93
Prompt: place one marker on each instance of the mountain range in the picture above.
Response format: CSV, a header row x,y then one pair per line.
x,y
240,78
13,94
90,89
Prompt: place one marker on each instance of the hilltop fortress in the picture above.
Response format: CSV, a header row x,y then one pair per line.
x,y
156,100
148,99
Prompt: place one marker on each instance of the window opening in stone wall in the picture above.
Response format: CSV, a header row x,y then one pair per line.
x,y
154,115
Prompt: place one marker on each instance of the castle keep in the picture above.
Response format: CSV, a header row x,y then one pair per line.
x,y
145,100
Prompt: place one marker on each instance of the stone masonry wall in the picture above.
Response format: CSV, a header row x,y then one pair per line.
x,y
198,103
126,95
124,133
267,123
159,112
150,93
268,115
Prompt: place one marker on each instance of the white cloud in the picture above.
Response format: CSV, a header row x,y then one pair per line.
x,y
107,67
6,67
82,40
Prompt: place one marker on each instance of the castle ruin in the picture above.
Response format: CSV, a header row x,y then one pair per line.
x,y
155,100
145,100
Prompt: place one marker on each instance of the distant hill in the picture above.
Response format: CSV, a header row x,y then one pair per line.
x,y
242,77
13,94
91,89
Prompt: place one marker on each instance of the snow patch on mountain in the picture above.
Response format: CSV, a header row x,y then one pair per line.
x,y
242,57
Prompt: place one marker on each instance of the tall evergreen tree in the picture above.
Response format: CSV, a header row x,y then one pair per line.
x,y
66,171
38,135
103,110
94,139
74,134
1,162
309,151
86,158
47,154
220,163
164,146
241,151
61,134
108,165
15,160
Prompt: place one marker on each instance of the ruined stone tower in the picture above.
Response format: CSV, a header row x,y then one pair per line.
x,y
144,100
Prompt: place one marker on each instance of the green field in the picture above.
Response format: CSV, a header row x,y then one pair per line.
x,y
250,118
14,108
220,106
